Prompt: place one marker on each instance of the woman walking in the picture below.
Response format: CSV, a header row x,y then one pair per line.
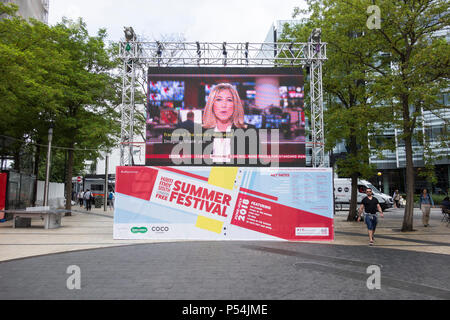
x,y
396,197
425,203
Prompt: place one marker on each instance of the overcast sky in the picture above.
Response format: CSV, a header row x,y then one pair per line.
x,y
198,20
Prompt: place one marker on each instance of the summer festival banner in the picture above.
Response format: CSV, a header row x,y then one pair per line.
x,y
224,203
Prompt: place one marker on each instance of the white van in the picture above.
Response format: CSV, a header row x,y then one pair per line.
x,y
343,189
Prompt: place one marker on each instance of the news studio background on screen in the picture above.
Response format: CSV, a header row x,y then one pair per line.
x,y
271,98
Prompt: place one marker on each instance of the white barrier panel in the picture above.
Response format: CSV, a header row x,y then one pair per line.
x,y
55,194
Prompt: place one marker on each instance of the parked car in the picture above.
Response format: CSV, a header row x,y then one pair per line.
x,y
343,189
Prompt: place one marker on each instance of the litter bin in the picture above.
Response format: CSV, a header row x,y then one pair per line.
x,y
98,201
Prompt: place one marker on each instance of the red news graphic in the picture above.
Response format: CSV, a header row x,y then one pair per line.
x,y
278,220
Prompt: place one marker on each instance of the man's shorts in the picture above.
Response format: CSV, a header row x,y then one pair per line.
x,y
371,221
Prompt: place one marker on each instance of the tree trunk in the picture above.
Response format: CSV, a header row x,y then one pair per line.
x,y
69,181
409,208
37,160
354,198
354,193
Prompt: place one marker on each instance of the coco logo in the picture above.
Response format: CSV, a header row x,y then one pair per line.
x,y
160,229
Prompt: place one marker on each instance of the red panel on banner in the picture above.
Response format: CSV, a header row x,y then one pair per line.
x,y
256,193
137,182
279,220
184,173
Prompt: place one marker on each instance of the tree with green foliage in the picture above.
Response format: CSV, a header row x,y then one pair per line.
x,y
59,76
350,113
87,116
29,86
412,36
403,59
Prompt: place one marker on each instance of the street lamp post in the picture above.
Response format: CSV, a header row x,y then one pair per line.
x,y
105,203
379,180
47,169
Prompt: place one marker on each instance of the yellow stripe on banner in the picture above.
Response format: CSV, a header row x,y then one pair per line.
x,y
209,224
223,177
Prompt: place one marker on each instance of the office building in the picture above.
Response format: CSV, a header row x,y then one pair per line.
x,y
36,9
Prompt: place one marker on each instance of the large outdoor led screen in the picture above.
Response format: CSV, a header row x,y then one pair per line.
x,y
225,117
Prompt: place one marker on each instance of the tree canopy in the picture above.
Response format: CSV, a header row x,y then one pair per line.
x,y
382,75
57,76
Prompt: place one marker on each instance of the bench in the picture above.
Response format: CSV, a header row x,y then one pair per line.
x,y
51,217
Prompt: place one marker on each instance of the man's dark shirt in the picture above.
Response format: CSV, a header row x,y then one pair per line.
x,y
370,206
188,125
446,204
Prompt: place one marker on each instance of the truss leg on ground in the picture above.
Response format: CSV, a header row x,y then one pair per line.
x,y
127,119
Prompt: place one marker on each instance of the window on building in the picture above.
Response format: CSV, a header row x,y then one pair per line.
x,y
97,187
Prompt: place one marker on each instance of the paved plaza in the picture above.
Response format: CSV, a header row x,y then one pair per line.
x,y
412,265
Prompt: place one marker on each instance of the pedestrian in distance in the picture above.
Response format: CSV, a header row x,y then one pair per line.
x,y
402,202
111,200
370,206
80,198
425,203
396,197
87,199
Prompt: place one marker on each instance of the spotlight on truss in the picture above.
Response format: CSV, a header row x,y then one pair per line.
x,y
291,46
129,33
160,49
315,35
199,52
224,49
225,53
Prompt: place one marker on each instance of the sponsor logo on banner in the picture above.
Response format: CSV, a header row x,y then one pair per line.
x,y
311,231
159,229
139,230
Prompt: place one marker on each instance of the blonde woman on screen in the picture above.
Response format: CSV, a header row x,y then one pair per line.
x,y
223,110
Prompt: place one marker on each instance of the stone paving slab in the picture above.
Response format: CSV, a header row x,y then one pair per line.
x,y
94,230
229,270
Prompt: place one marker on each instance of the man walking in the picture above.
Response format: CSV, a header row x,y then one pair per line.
x,y
87,199
425,203
111,198
370,205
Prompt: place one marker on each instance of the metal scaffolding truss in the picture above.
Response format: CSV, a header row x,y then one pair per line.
x,y
317,132
141,55
127,119
171,54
